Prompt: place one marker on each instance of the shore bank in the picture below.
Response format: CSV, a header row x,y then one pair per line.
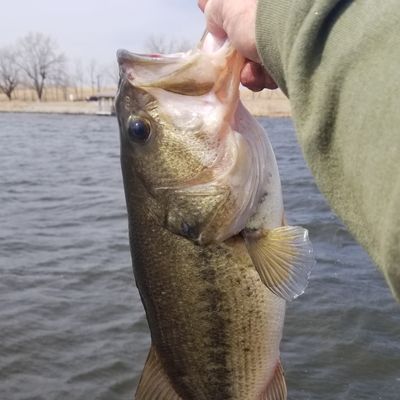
x,y
266,103
49,107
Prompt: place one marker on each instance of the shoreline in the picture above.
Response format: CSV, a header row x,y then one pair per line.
x,y
262,104
49,107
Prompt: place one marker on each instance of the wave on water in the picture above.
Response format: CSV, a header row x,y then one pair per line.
x,y
72,325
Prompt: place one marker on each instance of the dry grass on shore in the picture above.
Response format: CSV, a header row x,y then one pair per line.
x,y
265,103
50,107
269,103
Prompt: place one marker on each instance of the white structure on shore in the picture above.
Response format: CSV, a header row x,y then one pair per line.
x,y
105,102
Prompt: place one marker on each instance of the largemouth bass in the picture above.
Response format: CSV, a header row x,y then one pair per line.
x,y
212,260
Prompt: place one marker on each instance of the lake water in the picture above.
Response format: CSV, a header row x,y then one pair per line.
x,y
71,323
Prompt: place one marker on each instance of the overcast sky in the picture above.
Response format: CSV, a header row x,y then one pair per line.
x,y
95,29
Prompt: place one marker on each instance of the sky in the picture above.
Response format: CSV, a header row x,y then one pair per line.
x,y
95,29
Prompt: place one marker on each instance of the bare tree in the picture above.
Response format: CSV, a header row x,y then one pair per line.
x,y
79,79
39,58
111,72
93,74
61,80
162,45
99,80
9,71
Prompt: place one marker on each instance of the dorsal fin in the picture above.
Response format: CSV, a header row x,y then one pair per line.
x,y
154,383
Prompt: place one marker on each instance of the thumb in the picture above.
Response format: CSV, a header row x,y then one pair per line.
x,y
214,17
202,4
256,78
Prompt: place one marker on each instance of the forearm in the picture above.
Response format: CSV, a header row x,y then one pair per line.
x,y
339,63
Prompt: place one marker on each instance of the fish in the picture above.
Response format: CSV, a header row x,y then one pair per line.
x,y
213,259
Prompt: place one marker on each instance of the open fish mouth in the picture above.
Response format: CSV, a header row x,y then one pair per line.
x,y
125,55
188,73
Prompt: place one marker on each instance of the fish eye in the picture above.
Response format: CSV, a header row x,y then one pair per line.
x,y
139,129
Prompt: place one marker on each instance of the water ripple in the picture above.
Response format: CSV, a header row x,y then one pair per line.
x,y
72,325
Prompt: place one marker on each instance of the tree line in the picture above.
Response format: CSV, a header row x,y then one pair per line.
x,y
36,62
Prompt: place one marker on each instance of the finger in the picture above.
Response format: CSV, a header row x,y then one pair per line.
x,y
214,27
214,18
256,78
202,4
269,81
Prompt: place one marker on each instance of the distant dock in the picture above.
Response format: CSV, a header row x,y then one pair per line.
x,y
105,103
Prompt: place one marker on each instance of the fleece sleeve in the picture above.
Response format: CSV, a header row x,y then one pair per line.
x,y
339,64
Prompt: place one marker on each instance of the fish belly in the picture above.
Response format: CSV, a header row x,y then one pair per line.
x,y
214,325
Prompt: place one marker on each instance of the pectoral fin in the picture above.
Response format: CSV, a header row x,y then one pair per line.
x,y
276,389
283,258
154,383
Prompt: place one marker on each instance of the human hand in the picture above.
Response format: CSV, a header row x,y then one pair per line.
x,y
236,19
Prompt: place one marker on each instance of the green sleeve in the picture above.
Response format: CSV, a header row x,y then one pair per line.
x,y
339,64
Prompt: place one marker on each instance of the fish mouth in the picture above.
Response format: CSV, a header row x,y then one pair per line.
x,y
207,44
189,73
125,55
149,70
